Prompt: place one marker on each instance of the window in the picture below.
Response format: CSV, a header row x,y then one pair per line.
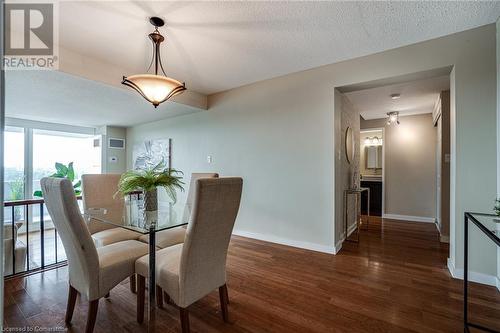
x,y
31,151
14,176
50,147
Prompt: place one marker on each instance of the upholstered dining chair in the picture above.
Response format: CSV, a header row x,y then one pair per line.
x,y
166,238
93,272
98,191
189,271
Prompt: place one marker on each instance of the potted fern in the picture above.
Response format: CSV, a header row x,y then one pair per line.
x,y
148,181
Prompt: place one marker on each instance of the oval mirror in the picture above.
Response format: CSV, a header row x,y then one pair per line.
x,y
349,145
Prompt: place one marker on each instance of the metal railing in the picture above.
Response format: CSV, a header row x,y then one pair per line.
x,y
28,204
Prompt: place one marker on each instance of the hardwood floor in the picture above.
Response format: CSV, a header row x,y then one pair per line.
x,y
394,280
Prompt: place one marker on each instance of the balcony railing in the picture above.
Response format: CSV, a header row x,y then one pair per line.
x,y
19,256
25,259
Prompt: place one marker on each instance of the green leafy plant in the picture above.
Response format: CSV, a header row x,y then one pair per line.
x,y
17,193
17,189
64,171
149,180
497,207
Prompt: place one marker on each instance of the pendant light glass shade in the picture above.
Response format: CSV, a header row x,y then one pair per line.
x,y
155,88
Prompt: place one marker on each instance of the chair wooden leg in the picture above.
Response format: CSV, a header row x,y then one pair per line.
x,y
159,297
133,285
72,293
141,293
223,295
92,315
184,320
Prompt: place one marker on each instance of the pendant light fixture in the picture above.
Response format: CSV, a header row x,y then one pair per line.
x,y
155,88
393,117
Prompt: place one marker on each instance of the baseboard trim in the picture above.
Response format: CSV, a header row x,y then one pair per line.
x,y
350,230
444,239
409,218
458,273
288,242
338,246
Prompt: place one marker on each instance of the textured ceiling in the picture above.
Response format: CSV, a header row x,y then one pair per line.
x,y
215,46
417,97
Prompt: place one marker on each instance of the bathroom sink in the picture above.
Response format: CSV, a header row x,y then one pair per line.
x,y
371,178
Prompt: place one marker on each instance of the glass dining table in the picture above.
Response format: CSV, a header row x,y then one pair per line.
x,y
169,215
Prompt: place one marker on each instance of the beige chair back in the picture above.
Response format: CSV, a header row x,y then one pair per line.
x,y
98,191
83,260
203,260
192,186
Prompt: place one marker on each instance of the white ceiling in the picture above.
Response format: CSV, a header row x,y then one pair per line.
x,y
215,46
58,97
417,97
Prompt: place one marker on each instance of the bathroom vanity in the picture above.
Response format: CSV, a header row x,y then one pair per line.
x,y
374,183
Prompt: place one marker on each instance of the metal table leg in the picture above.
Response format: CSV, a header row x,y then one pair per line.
x,y
466,268
345,214
152,280
368,210
358,215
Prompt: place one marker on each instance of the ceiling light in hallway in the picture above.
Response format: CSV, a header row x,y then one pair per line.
x,y
395,96
155,88
393,117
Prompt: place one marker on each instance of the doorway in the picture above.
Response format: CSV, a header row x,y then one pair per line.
x,y
404,147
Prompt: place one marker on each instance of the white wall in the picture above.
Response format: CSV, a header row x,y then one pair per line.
x,y
119,162
410,167
279,135
261,133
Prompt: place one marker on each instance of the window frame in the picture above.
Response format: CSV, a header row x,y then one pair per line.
x,y
29,126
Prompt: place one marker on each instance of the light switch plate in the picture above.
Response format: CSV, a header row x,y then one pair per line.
x,y
209,159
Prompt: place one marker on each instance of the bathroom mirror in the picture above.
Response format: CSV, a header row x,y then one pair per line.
x,y
373,157
349,144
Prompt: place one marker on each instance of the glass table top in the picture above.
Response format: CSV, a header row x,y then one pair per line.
x,y
490,224
134,217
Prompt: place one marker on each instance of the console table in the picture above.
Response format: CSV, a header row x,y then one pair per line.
x,y
488,224
357,193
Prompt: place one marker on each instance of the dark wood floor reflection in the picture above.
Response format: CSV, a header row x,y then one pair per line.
x,y
394,280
